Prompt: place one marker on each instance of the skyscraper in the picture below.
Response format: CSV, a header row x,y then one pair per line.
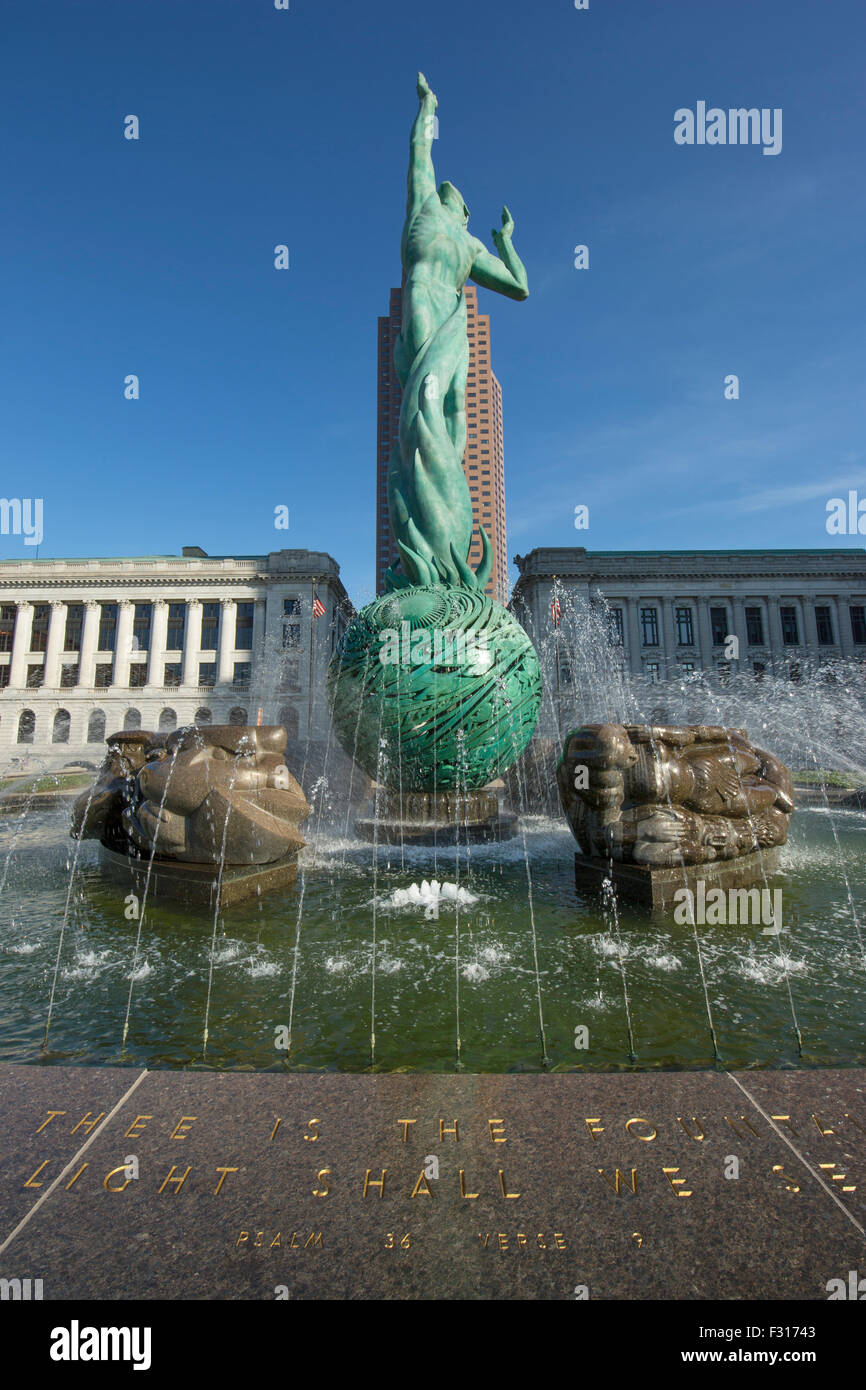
x,y
484,459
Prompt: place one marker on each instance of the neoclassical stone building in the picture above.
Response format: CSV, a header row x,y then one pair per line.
x,y
669,614
94,645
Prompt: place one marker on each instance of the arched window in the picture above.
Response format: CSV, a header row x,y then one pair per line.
x,y
238,717
132,719
167,721
26,726
96,726
203,716
60,732
289,720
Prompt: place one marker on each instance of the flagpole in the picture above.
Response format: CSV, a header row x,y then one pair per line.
x,y
310,684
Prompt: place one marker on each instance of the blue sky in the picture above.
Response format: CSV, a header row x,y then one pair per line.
x,y
259,127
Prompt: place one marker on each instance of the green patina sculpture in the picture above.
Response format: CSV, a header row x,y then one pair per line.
x,y
435,686
428,497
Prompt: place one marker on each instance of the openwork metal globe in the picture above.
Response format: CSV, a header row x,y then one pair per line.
x,y
434,688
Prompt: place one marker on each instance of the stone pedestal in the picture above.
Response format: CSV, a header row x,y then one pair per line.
x,y
195,885
656,888
436,818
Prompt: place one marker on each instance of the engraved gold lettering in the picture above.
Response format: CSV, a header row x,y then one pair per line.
x,y
225,1172
418,1190
836,1177
314,1239
123,1186
790,1184
275,1128
484,1242
540,1239
855,1122
676,1182
746,1122
244,1235
277,1241
294,1245
178,1181
30,1182
134,1130
88,1126
52,1114
497,1131
313,1137
77,1175
559,1239
644,1138
182,1127
697,1137
521,1240
406,1124
595,1127
503,1241
322,1176
448,1129
820,1127
619,1179
257,1242
509,1196
470,1196
375,1182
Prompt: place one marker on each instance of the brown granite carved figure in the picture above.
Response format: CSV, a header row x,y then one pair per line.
x,y
667,795
198,796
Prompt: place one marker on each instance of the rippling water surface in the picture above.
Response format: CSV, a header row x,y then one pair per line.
x,y
344,956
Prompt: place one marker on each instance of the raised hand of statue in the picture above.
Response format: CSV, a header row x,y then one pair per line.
x,y
424,90
506,231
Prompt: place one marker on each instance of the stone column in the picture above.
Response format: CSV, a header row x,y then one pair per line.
x,y
228,619
257,654
191,642
54,646
843,613
633,635
774,634
89,638
21,646
123,644
668,636
158,638
705,632
738,608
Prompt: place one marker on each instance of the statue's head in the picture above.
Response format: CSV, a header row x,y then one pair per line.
x,y
452,200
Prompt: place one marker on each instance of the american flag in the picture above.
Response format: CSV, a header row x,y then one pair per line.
x,y
318,607
556,612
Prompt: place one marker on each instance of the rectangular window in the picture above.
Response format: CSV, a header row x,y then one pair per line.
x,y
724,672
4,676
685,634
649,622
790,635
719,625
210,628
102,675
858,622
176,625
243,674
173,673
759,668
107,627
794,672
8,612
74,621
687,667
824,624
207,673
652,672
291,635
244,627
68,674
141,620
35,677
291,608
291,675
39,631
754,627
138,675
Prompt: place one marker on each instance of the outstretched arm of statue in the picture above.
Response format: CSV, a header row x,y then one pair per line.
x,y
422,178
506,276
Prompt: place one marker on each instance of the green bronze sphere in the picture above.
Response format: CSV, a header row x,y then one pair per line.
x,y
433,688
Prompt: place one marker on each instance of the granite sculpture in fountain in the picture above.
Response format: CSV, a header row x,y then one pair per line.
x,y
660,806
208,810
435,688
